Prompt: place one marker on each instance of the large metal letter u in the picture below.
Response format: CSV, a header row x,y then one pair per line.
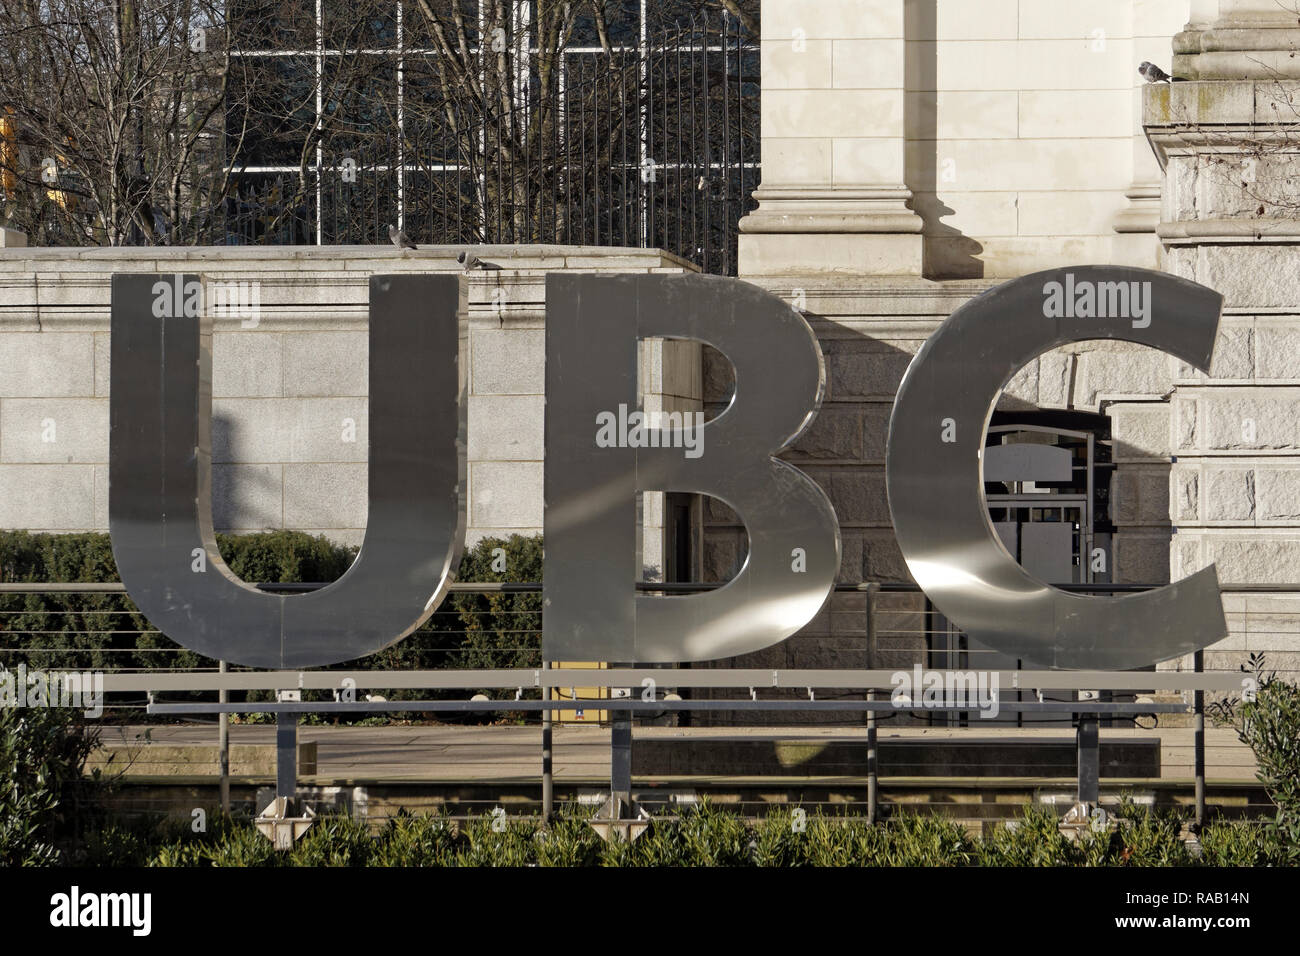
x,y
160,510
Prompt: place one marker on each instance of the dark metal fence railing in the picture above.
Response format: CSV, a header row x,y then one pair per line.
x,y
646,149
653,146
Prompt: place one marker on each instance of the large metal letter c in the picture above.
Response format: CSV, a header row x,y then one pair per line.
x,y
935,468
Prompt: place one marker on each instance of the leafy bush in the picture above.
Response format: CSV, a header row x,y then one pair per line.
x,y
699,835
484,845
827,842
569,841
1151,838
334,840
98,631
42,753
74,631
926,840
1035,840
501,630
228,841
121,842
866,845
240,845
408,840
776,843
284,557
478,630
1239,843
1271,726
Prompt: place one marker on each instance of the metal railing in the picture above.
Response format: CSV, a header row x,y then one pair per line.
x,y
485,626
486,639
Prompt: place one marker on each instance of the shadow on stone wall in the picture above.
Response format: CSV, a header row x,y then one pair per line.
x,y
245,497
947,253
843,450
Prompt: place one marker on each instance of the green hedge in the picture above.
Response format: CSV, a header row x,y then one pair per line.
x,y
104,631
72,631
480,630
706,836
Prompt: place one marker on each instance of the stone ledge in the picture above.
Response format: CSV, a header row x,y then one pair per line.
x,y
169,760
328,257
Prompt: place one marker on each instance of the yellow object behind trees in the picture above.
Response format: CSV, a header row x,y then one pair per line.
x,y
8,154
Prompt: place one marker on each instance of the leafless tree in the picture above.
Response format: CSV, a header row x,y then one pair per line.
x,y
501,78
113,116
147,121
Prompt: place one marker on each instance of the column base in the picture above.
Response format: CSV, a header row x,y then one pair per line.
x,y
830,253
1142,214
829,230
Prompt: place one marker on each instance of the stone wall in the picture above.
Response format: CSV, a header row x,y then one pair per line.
x,y
1228,220
290,391
1007,133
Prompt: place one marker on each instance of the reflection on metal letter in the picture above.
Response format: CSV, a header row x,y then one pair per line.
x,y
936,494
160,510
592,329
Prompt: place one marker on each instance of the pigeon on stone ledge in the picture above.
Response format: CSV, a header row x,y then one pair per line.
x,y
1153,74
399,238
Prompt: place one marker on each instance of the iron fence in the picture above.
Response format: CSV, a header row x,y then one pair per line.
x,y
653,144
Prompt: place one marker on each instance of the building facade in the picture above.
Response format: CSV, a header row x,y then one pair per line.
x,y
914,154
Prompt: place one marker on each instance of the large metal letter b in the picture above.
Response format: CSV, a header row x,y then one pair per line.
x,y
600,452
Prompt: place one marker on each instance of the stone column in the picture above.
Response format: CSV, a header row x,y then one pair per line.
x,y
1249,39
1230,219
1154,22
833,199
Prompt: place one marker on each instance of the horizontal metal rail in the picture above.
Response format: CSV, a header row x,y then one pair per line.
x,y
657,706
716,677
535,587
675,677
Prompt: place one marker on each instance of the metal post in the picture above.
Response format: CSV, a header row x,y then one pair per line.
x,y
620,758
1089,759
872,589
548,782
223,744
873,791
1198,740
286,755
320,114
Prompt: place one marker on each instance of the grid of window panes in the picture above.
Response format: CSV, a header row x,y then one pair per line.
x,y
640,127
